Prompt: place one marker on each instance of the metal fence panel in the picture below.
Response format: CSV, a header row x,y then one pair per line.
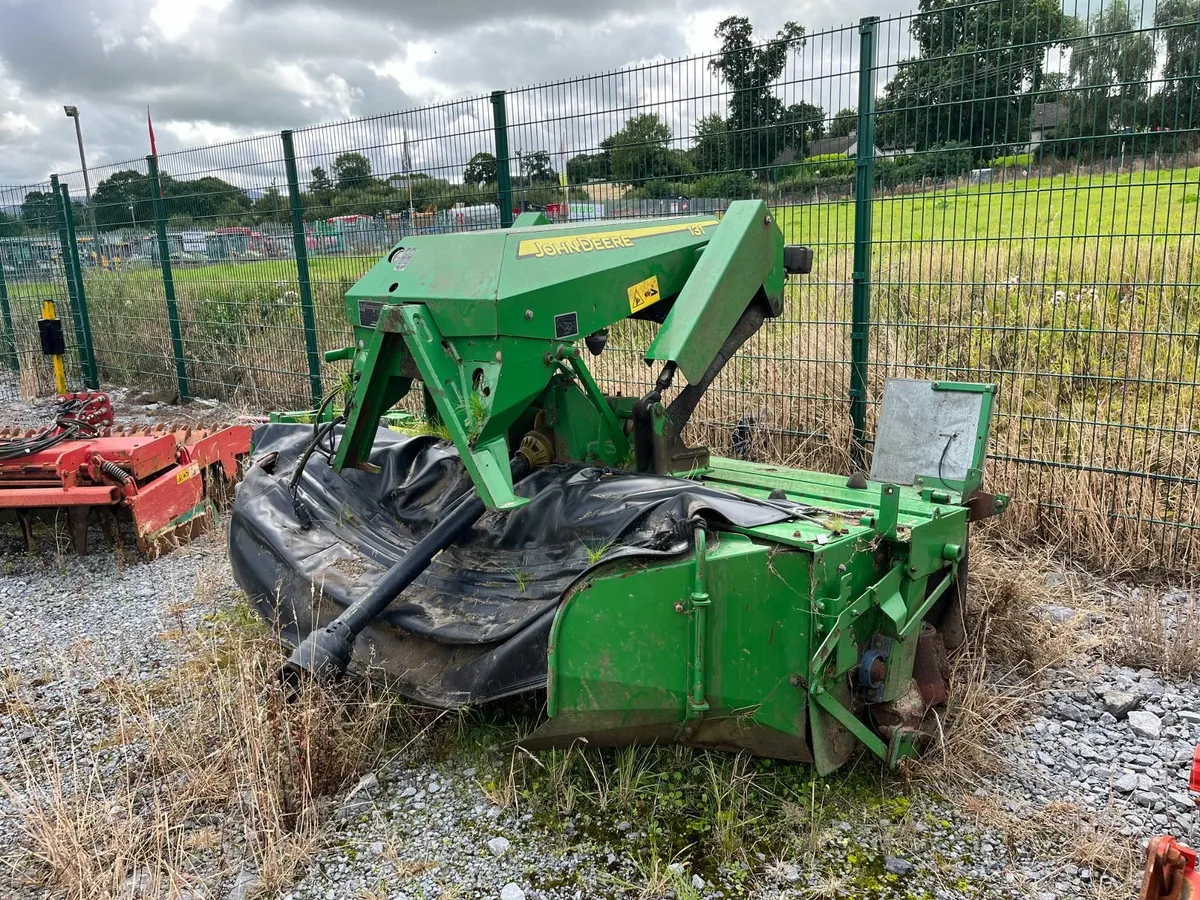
x,y
996,191
33,271
1037,228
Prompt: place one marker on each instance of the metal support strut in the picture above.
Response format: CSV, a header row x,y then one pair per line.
x,y
700,602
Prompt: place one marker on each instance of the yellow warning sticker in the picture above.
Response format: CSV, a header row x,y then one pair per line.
x,y
643,294
184,474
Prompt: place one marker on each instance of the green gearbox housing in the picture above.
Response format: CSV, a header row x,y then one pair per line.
x,y
801,639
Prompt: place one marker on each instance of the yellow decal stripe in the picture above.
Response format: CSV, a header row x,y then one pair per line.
x,y
603,240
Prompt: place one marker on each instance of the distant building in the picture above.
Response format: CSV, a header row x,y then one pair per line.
x,y
1045,118
841,146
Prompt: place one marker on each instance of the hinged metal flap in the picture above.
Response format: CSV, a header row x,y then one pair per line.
x,y
932,434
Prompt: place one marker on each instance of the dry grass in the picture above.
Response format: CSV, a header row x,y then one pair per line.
x,y
1158,630
208,772
1071,834
995,677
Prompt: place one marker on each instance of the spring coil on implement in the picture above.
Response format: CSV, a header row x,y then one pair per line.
x,y
112,470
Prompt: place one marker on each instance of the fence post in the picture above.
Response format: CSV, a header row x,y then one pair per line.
x,y
8,340
83,324
164,255
503,177
64,243
302,275
864,183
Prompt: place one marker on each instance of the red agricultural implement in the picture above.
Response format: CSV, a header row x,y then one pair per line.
x,y
167,479
1170,866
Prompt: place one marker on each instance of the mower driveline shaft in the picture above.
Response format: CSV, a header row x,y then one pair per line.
x,y
326,652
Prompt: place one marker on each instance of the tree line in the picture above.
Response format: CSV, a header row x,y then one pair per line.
x,y
969,93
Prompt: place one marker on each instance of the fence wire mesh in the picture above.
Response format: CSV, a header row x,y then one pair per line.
x,y
1039,230
996,191
32,273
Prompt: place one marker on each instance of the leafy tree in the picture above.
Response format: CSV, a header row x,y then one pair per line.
x,y
38,211
1177,106
639,152
536,167
11,226
713,147
321,191
845,123
480,170
271,206
585,167
123,189
749,70
977,74
351,170
205,198
1054,88
799,125
1110,70
320,180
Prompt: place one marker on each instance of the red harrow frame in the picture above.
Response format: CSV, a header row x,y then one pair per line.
x,y
1171,866
166,478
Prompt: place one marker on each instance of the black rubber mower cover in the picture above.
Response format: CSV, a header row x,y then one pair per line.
x,y
475,625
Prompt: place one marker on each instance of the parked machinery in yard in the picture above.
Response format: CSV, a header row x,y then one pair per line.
x,y
1170,872
538,534
164,479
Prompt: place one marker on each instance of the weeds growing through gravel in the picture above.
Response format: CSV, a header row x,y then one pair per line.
x,y
208,773
1159,631
995,675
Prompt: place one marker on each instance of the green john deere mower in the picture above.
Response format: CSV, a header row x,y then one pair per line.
x,y
531,533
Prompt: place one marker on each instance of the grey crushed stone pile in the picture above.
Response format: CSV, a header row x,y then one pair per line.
x,y
1116,741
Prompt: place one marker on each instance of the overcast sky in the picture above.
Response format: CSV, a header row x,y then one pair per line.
x,y
213,70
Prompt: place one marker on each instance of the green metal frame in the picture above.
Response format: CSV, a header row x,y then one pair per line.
x,y
503,178
303,279
490,342
164,252
864,186
8,340
64,241
79,309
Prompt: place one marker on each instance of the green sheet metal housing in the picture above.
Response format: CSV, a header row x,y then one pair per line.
x,y
789,611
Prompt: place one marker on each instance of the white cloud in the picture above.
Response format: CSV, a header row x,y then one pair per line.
x,y
215,70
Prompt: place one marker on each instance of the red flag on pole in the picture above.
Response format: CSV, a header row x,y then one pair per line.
x,y
150,126
153,148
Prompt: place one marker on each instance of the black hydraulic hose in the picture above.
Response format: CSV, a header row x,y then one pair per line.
x,y
326,651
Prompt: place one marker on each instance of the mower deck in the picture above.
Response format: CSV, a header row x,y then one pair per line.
x,y
587,590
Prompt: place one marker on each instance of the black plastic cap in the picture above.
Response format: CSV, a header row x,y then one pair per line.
x,y
797,259
324,654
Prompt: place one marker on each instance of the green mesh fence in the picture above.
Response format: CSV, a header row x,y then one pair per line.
x,y
996,191
1035,219
32,272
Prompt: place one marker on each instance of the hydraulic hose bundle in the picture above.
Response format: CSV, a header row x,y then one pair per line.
x,y
68,425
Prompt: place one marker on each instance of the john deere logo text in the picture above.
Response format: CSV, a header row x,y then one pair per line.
x,y
564,245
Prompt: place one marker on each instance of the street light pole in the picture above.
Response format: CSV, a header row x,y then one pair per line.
x,y
73,113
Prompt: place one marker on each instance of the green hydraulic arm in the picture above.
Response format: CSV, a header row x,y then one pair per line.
x,y
491,323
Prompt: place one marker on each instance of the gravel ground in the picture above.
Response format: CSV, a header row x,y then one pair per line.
x,y
1106,745
66,625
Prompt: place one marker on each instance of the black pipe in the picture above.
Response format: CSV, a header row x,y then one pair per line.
x,y
325,653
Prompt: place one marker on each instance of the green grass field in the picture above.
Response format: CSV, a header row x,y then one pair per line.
x,y
1076,294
